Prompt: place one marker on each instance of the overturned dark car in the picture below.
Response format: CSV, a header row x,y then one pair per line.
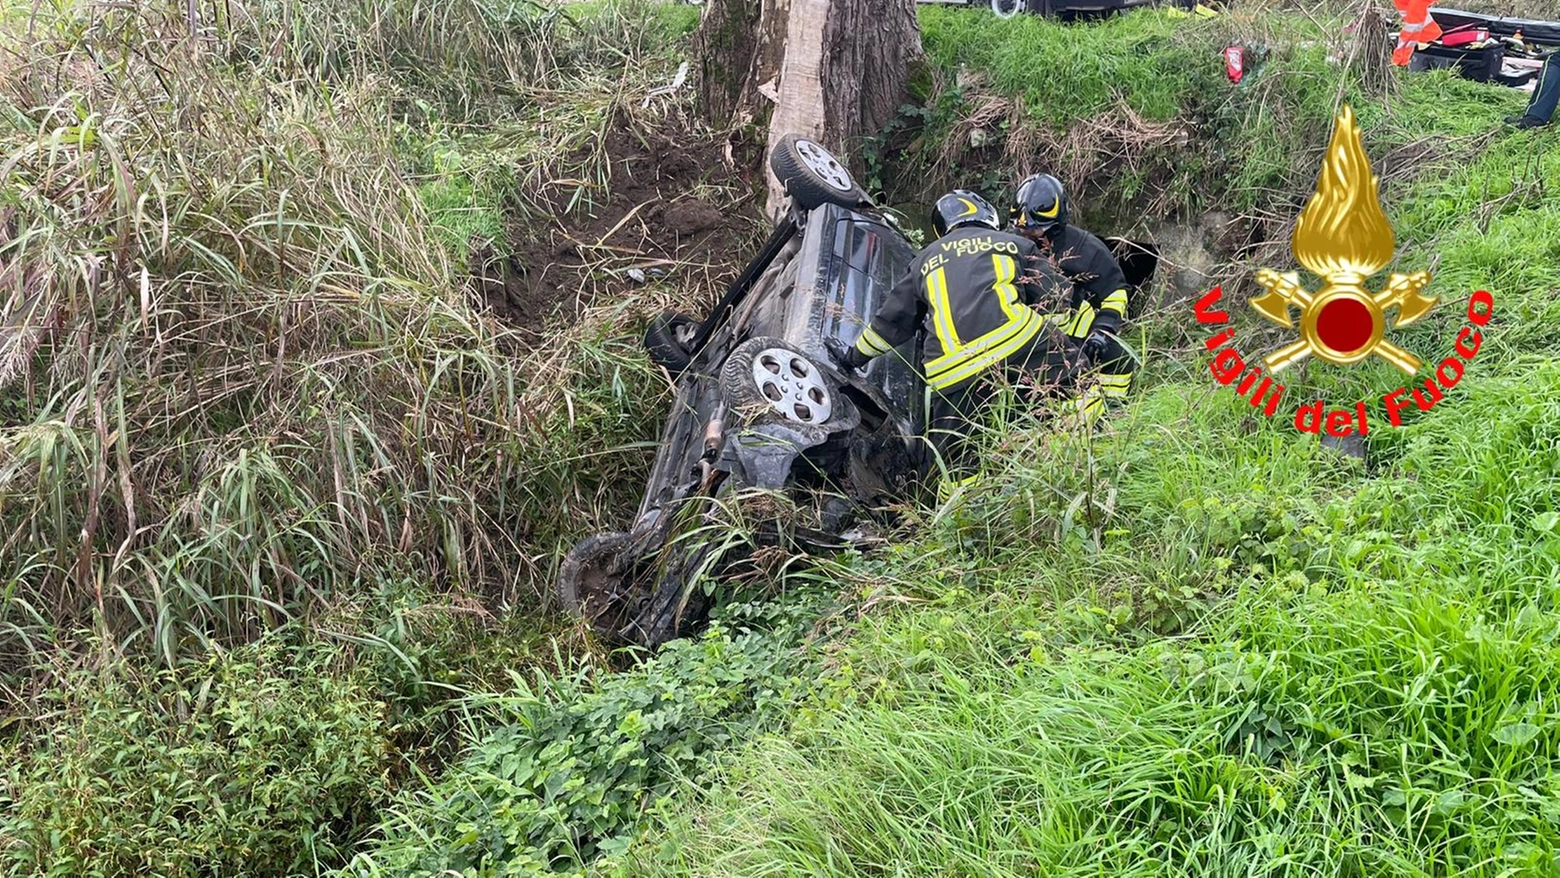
x,y
767,443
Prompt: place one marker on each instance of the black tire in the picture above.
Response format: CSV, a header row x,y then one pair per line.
x,y
812,175
667,340
675,608
591,581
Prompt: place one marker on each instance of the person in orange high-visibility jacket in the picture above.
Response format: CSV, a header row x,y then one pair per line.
x,y
974,290
1418,27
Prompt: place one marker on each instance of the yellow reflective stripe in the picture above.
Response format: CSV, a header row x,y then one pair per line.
x,y
1006,271
947,487
1117,302
1090,404
1079,328
1116,386
980,345
872,344
942,312
994,348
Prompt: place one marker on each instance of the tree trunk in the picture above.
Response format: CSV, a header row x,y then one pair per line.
x,y
831,70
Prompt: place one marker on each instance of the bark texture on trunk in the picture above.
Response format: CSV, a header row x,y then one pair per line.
x,y
830,70
870,48
800,105
728,45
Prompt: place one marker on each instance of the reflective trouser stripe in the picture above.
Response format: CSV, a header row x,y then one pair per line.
x,y
1078,327
1116,386
1091,404
988,350
946,487
1116,301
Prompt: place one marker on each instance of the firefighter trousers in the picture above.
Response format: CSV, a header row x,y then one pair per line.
x,y
1115,367
1048,367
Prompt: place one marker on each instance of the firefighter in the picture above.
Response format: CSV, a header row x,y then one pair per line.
x,y
1099,289
974,290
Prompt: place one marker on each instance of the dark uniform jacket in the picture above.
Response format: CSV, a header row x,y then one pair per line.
x,y
973,290
1096,275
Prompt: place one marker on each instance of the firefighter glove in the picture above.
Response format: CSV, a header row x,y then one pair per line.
x,y
1101,336
845,356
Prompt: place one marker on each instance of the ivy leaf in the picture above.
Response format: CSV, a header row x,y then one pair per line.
x,y
1359,782
1515,734
1449,801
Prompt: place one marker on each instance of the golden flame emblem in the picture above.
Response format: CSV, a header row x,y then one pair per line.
x,y
1343,237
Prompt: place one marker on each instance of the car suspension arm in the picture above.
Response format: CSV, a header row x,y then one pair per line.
x,y
744,282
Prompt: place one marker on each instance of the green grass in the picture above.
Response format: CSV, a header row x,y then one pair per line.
x,y
1194,643
263,761
1136,114
248,379
246,395
1066,73
560,780
1198,643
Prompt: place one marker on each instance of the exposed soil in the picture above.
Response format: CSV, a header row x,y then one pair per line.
x,y
674,210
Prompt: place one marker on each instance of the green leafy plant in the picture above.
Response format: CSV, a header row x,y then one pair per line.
x,y
261,761
563,780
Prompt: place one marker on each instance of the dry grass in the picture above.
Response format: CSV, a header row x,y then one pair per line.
x,y
241,373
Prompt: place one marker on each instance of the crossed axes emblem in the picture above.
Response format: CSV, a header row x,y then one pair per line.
x,y
1284,290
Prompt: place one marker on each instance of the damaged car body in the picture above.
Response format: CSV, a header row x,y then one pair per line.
x,y
761,409
768,442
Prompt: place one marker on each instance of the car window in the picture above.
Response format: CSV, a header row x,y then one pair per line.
x,y
869,258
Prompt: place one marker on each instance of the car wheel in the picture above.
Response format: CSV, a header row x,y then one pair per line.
x,y
675,608
766,377
812,175
590,581
669,340
1007,8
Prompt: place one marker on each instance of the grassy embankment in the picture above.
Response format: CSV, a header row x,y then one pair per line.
x,y
1198,644
1195,638
1194,643
273,487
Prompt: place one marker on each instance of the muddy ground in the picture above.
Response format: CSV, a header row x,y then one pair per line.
x,y
675,209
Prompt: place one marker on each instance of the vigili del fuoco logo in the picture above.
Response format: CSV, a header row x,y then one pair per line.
x,y
1343,237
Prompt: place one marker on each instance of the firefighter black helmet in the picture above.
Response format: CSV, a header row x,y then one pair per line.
x,y
1040,204
961,207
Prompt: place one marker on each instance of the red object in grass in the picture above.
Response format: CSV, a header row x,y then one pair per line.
x,y
1235,63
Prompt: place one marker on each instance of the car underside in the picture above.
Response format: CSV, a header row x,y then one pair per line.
x,y
766,435
768,442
